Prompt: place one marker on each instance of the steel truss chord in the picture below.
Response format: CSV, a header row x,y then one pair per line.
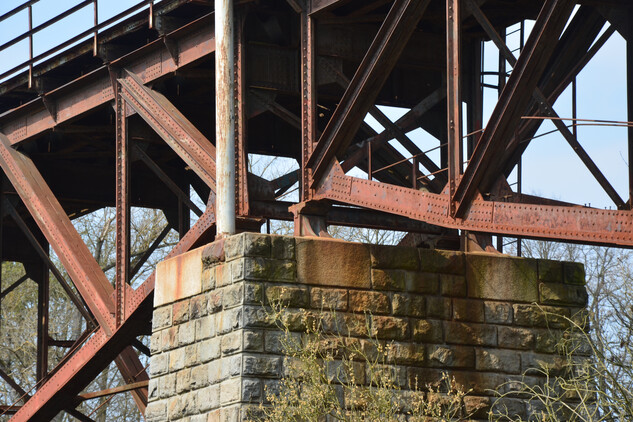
x,y
538,221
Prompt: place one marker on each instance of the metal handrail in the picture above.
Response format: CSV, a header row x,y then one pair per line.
x,y
34,30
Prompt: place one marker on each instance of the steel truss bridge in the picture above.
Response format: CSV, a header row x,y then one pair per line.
x,y
123,115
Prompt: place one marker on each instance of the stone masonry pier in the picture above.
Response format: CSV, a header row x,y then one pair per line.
x,y
473,315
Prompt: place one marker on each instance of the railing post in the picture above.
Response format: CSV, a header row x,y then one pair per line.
x,y
224,118
30,47
96,24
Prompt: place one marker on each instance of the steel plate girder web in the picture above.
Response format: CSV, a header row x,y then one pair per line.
x,y
172,126
368,80
515,98
96,354
576,224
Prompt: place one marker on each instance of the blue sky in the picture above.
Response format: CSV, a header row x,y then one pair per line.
x,y
550,167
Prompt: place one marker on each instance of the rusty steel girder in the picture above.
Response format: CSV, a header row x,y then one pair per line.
x,y
133,126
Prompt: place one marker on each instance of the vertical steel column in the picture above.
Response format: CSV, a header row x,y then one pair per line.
x,y
308,87
453,95
224,118
122,207
43,299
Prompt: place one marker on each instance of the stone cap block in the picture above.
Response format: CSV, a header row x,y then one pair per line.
x,y
333,263
178,277
497,277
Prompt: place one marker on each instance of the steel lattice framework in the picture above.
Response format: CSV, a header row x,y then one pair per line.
x,y
130,107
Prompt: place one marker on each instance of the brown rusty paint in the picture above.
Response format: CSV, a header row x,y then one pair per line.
x,y
578,224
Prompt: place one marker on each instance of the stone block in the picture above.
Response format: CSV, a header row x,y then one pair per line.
x,y
223,276
231,342
234,247
446,262
156,411
562,294
329,299
208,279
426,331
152,389
406,353
470,334
170,338
498,312
186,333
262,365
501,278
269,269
162,318
183,381
182,311
233,295
394,257
282,247
439,307
228,320
177,359
209,349
253,293
540,316
256,244
214,301
159,365
468,310
370,302
574,273
256,317
156,343
294,297
191,355
333,263
251,390
390,328
450,357
513,408
387,279
167,386
199,377
178,277
278,342
550,271
404,304
231,366
230,391
535,363
205,327
453,285
209,397
253,341
477,406
237,270
505,361
547,341
198,306
516,338
423,283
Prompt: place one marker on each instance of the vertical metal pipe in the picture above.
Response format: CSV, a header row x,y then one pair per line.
x,y
224,118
